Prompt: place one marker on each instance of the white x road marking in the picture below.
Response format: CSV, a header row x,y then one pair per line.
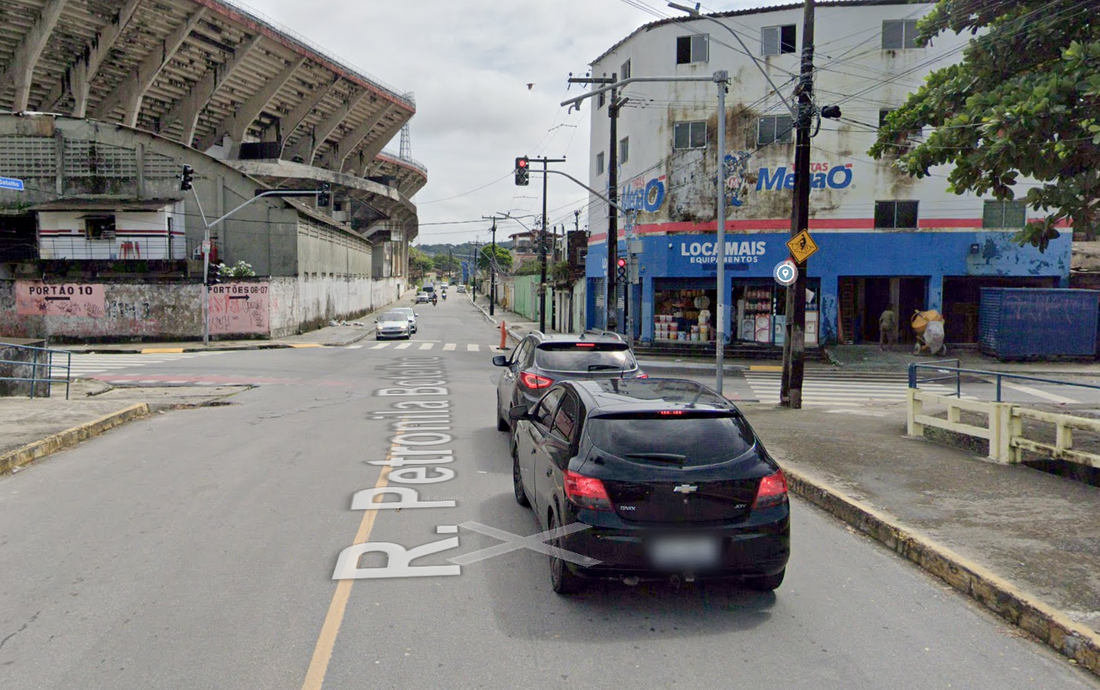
x,y
514,542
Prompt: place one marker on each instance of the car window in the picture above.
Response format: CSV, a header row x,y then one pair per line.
x,y
544,411
565,421
520,356
701,439
585,357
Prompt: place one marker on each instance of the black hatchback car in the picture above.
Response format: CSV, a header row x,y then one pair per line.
x,y
650,479
540,360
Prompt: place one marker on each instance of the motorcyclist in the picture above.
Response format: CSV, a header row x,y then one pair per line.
x,y
435,299
444,295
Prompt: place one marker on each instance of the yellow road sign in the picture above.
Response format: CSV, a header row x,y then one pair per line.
x,y
802,246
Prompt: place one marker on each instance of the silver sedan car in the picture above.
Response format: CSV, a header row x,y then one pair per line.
x,y
392,324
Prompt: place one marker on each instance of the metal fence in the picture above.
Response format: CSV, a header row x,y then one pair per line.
x,y
41,368
942,370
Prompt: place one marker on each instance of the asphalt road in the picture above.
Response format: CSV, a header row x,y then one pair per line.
x,y
197,550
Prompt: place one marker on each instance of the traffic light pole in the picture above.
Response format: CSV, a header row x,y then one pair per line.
x,y
794,341
542,242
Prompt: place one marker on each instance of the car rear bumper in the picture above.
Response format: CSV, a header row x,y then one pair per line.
x,y
743,551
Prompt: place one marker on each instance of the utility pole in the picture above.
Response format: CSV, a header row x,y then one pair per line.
x,y
613,105
794,341
473,271
493,271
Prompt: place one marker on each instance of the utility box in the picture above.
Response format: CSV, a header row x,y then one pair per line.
x,y
1038,323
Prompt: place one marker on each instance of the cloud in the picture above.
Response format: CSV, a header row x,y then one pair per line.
x,y
469,63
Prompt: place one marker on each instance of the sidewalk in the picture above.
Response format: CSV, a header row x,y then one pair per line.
x,y
1035,531
328,336
30,429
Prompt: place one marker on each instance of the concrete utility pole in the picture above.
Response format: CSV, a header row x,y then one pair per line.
x,y
493,268
611,320
542,241
794,342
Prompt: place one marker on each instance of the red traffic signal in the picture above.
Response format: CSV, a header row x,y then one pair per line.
x,y
622,263
523,173
521,162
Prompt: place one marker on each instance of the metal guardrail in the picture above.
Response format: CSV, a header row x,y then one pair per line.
x,y
956,374
42,368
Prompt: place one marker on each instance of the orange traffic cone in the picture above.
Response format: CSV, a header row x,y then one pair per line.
x,y
503,335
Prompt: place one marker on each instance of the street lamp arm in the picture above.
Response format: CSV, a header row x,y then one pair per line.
x,y
574,102
694,12
618,208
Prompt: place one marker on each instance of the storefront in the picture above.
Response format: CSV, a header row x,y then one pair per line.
x,y
851,280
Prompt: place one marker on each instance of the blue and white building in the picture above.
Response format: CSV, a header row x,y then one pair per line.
x,y
885,239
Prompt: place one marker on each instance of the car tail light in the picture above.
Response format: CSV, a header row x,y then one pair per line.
x,y
586,492
642,376
772,491
586,344
535,381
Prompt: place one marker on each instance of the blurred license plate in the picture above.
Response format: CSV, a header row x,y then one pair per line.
x,y
685,552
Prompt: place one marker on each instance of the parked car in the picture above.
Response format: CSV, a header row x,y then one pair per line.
x,y
392,324
423,298
540,359
666,477
411,315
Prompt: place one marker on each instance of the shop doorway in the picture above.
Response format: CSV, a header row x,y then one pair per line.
x,y
684,311
962,298
862,301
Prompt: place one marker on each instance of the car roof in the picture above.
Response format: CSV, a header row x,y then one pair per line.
x,y
570,338
643,395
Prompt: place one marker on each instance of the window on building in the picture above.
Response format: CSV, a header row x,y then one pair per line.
x,y
601,99
694,48
690,135
882,113
774,129
624,150
99,227
625,71
1004,214
899,35
599,163
891,215
777,40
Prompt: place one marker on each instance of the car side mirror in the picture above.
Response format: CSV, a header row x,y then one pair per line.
x,y
518,412
500,361
415,314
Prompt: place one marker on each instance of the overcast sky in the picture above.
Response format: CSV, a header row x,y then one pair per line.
x,y
469,63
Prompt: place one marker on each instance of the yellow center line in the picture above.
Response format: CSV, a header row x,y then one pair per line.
x,y
326,642
162,351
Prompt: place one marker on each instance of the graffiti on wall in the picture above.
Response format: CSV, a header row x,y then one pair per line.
x,y
68,299
239,308
643,195
735,177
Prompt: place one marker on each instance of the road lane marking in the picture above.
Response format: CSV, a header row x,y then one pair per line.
x,y
379,346
330,629
1053,397
427,346
473,347
355,347
402,346
449,347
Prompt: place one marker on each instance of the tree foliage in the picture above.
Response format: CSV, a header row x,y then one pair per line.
x,y
529,267
503,257
1023,102
419,262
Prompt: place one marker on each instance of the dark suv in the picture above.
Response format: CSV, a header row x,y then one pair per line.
x,y
660,478
540,360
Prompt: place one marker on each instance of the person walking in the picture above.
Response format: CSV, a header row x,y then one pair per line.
x,y
887,330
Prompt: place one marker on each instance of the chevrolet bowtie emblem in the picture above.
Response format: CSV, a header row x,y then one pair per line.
x,y
685,489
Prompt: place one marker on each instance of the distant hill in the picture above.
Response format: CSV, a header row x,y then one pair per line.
x,y
464,250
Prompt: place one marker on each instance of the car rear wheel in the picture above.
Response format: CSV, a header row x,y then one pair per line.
x,y
502,424
562,579
766,583
517,480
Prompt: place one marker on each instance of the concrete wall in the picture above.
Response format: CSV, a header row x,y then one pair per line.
x,y
325,251
302,305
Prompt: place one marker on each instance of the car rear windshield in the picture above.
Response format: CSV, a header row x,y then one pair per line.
x,y
677,437
586,357
393,316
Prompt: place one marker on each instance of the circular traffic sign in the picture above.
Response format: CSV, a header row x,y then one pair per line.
x,y
785,273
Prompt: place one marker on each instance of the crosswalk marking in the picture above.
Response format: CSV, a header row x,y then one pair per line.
x,y
427,346
91,363
355,347
403,346
473,347
379,346
449,347
835,389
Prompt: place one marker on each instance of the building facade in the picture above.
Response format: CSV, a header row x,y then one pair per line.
x,y
886,240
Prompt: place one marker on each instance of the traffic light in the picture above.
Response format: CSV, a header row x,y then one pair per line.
x,y
523,171
324,199
622,269
213,274
187,178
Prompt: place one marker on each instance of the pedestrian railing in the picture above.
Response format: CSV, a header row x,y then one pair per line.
x,y
1003,424
39,369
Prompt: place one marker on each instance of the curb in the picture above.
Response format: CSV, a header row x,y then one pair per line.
x,y
1051,626
70,437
